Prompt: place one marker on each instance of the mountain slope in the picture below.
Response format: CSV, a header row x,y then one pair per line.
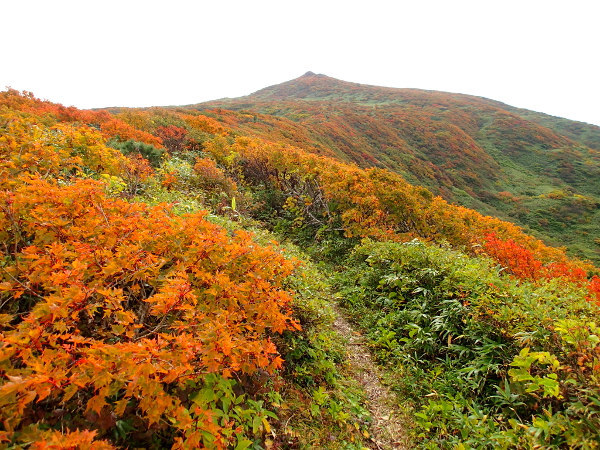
x,y
143,301
535,170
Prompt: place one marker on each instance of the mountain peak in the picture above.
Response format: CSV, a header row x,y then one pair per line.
x,y
307,85
311,74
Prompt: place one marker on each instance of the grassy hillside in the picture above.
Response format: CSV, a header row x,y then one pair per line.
x,y
535,170
145,300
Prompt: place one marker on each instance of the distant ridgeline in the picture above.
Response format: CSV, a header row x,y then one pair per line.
x,y
137,310
538,171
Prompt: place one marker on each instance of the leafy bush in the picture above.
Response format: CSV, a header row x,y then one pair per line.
x,y
488,361
111,309
129,324
152,154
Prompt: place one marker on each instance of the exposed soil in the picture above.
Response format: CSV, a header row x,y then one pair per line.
x,y
387,427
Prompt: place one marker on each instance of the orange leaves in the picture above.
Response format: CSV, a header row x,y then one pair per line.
x,y
519,260
113,306
27,146
81,440
175,294
96,403
212,178
525,264
205,124
124,132
169,180
50,113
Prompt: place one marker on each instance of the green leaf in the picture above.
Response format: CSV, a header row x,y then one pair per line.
x,y
243,444
256,423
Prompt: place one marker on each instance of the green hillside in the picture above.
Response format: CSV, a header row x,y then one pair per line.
x,y
538,171
175,278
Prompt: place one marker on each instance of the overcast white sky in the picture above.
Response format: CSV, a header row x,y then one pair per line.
x,y
540,55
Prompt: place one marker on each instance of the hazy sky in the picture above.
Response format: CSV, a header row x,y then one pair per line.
x,y
540,55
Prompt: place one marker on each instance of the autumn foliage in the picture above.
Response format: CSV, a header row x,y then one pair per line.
x,y
173,137
469,150
524,264
114,312
50,113
370,202
110,308
379,204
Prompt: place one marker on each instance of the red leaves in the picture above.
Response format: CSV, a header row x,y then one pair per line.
x,y
524,264
519,260
173,137
594,289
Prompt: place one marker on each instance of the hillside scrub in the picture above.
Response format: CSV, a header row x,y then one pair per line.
x,y
318,199
143,303
112,308
125,323
469,150
488,362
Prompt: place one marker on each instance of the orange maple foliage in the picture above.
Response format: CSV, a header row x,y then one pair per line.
x,y
81,440
110,309
108,303
51,113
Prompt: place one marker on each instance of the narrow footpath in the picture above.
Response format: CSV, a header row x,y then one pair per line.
x,y
387,427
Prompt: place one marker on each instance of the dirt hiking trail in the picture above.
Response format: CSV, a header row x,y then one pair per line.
x,y
387,429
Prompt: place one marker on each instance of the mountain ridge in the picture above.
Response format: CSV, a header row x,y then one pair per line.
x,y
145,300
533,169
537,116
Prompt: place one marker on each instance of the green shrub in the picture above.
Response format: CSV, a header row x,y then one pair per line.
x,y
488,361
152,154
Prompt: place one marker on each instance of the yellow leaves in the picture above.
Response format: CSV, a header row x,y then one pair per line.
x,y
266,425
69,392
7,286
112,267
120,406
43,391
16,394
5,320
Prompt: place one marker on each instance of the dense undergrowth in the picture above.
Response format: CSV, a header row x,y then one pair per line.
x,y
488,361
144,302
128,321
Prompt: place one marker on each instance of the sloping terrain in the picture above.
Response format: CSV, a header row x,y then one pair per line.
x,y
158,289
538,171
